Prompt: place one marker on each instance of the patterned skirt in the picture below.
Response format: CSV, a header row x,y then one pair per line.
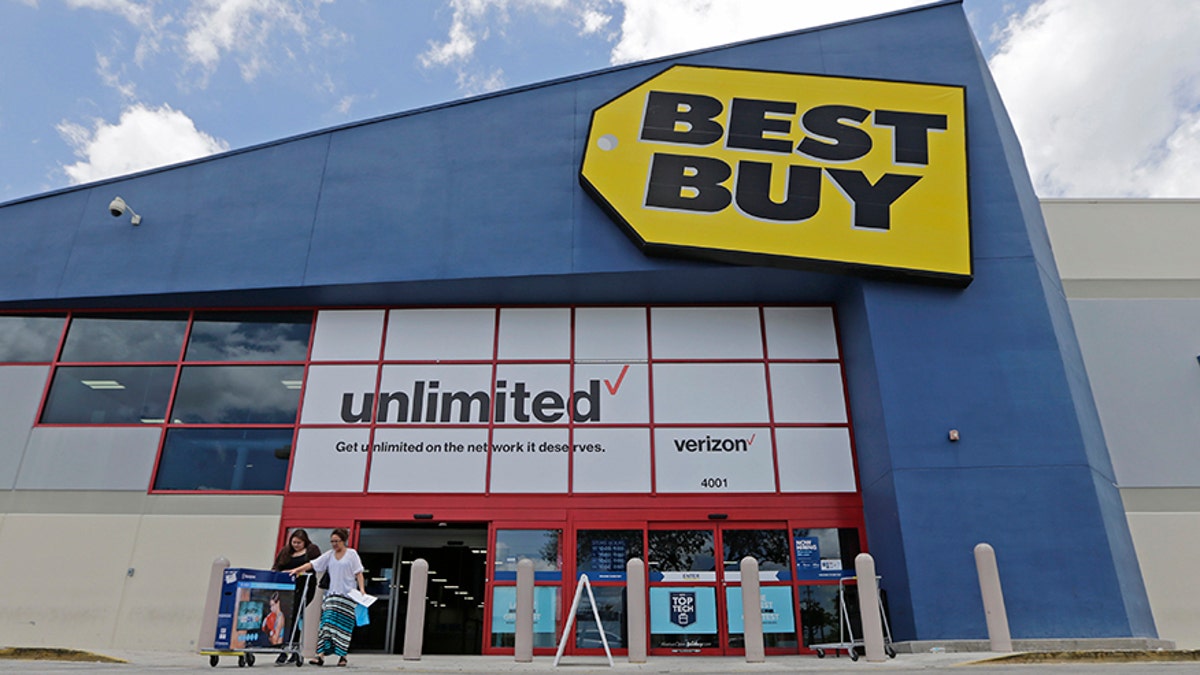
x,y
337,624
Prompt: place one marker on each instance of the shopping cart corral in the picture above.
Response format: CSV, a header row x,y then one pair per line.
x,y
846,640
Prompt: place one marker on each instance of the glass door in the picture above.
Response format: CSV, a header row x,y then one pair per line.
x,y
543,547
696,588
824,555
768,544
379,574
685,616
601,552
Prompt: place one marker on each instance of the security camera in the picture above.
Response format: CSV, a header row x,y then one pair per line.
x,y
117,207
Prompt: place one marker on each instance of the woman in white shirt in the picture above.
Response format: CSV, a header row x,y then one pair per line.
x,y
345,570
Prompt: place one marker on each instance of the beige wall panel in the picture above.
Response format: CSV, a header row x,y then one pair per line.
x,y
20,394
164,600
1126,239
64,576
1167,548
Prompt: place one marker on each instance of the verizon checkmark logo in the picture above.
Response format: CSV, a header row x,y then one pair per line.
x,y
614,387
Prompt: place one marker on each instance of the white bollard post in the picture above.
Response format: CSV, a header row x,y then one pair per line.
x,y
993,598
868,607
414,620
752,628
523,651
312,621
635,609
212,603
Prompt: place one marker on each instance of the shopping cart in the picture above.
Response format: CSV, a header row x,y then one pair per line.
x,y
240,619
846,641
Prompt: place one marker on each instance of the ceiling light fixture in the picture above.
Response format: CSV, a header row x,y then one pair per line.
x,y
102,384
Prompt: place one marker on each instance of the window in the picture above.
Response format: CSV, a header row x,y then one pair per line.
x,y
601,554
224,459
768,547
820,614
545,616
682,551
136,338
238,395
543,547
825,553
133,368
249,336
610,602
109,395
29,338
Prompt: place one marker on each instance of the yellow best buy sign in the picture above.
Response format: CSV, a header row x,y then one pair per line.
x,y
799,170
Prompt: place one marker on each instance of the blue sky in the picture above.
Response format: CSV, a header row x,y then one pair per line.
x,y
1105,94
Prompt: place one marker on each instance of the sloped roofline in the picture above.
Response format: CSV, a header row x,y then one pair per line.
x,y
468,100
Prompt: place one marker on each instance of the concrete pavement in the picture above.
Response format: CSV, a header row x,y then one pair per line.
x,y
974,663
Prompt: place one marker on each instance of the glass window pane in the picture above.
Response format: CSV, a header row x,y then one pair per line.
x,y
109,395
125,337
778,617
769,547
683,618
602,554
25,339
238,395
224,459
249,336
545,616
825,552
820,614
610,600
543,547
682,551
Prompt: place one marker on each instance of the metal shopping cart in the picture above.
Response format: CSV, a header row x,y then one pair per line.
x,y
846,641
252,603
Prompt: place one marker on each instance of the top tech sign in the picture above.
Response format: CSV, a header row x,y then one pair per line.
x,y
797,170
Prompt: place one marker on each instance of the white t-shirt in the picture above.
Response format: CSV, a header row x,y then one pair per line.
x,y
341,572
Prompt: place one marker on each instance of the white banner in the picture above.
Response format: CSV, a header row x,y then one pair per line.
x,y
674,399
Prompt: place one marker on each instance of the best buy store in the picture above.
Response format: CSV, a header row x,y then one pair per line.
x,y
723,304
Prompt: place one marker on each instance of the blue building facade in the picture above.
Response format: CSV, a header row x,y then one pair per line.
x,y
479,203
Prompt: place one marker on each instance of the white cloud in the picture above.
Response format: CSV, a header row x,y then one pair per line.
x,y
252,32
472,83
650,28
140,15
459,45
592,21
110,78
142,138
248,29
474,20
1105,96
653,28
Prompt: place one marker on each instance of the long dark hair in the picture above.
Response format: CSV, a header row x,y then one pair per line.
x,y
283,559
